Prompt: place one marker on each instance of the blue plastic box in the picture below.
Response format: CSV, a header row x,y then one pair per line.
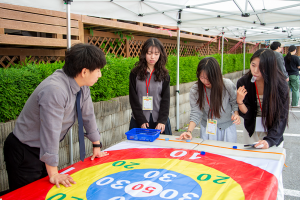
x,y
143,134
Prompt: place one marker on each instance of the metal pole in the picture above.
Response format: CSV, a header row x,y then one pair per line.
x,y
68,25
222,49
71,145
177,79
259,46
68,3
244,52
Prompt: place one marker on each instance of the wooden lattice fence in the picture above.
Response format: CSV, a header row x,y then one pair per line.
x,y
12,56
45,59
111,43
7,61
135,47
185,49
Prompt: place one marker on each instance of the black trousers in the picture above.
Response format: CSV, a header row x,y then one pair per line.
x,y
22,163
152,125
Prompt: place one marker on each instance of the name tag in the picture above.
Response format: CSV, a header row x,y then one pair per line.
x,y
211,127
147,103
259,126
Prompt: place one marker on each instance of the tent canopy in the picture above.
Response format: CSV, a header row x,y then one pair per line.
x,y
259,19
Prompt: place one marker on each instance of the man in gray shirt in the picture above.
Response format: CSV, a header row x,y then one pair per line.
x,y
31,150
277,49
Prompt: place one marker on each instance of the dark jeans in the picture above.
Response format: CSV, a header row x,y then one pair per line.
x,y
152,125
23,163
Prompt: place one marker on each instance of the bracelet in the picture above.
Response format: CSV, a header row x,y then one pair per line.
x,y
189,131
97,145
239,103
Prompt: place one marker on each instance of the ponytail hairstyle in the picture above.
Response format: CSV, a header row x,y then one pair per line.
x,y
211,67
161,73
288,56
276,92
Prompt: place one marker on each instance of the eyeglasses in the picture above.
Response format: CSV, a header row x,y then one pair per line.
x,y
203,78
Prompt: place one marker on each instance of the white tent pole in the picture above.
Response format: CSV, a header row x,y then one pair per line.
x,y
246,4
68,24
177,77
244,63
222,49
183,7
275,9
68,3
157,10
124,8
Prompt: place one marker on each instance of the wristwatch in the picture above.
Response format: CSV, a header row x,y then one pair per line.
x,y
97,145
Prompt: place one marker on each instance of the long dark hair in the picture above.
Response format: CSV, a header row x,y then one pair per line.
x,y
211,67
276,91
288,56
161,73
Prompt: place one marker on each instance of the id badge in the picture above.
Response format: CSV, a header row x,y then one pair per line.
x,y
147,103
259,126
211,127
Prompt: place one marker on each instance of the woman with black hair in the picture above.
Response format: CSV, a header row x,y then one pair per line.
x,y
292,65
213,98
149,89
263,99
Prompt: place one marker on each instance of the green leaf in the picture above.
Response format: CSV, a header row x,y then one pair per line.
x,y
128,37
111,45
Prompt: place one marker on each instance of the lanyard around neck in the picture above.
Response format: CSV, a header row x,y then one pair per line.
x,y
207,102
147,86
258,96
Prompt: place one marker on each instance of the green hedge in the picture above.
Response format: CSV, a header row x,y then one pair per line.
x,y
17,83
